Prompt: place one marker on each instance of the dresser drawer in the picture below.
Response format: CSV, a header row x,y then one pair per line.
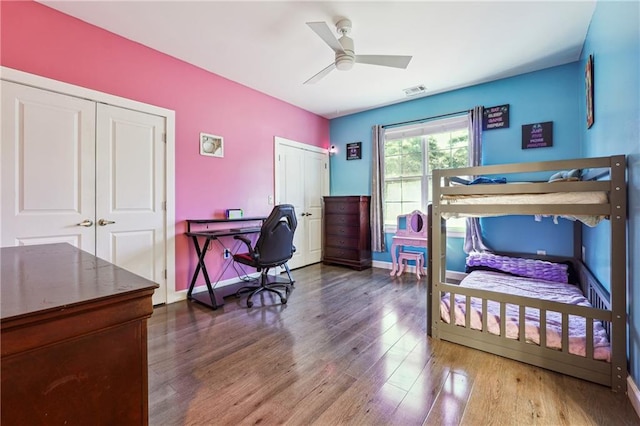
x,y
341,253
351,220
342,207
342,230
341,241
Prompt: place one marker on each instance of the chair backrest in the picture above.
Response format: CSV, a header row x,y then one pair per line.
x,y
275,243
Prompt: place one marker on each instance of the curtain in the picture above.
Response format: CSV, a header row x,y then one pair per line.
x,y
377,180
473,237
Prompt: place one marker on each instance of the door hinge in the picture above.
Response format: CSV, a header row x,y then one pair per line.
x,y
165,274
164,137
164,205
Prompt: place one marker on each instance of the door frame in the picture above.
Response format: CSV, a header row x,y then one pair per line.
x,y
33,80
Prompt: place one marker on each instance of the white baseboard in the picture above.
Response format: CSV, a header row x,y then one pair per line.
x,y
634,394
412,269
182,294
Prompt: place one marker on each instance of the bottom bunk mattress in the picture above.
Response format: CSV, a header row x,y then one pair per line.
x,y
534,288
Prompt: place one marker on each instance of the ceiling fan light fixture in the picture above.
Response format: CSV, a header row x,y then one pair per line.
x,y
344,63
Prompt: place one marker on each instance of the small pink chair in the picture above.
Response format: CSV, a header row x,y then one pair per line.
x,y
414,234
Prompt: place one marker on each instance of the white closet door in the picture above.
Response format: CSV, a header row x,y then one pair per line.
x,y
315,170
48,169
302,180
130,192
292,192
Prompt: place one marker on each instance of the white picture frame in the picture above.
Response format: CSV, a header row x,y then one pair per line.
x,y
211,145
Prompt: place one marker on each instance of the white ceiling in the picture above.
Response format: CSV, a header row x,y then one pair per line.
x,y
266,45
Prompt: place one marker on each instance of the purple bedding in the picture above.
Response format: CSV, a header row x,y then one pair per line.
x,y
528,287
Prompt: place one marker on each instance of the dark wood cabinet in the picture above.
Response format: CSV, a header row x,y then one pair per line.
x,y
73,339
347,234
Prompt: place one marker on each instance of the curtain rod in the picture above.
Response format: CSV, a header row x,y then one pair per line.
x,y
384,126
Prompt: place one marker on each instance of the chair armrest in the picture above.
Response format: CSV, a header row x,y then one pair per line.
x,y
247,242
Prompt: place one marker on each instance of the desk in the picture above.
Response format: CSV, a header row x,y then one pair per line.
x,y
211,297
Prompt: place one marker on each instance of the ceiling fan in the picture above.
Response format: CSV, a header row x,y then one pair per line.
x,y
345,53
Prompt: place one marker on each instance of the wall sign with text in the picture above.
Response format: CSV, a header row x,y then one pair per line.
x,y
496,117
537,135
354,151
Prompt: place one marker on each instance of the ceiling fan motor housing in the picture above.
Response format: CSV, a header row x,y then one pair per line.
x,y
345,59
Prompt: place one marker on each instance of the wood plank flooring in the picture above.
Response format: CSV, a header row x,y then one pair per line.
x,y
349,348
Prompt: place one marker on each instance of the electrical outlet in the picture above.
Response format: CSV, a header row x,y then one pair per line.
x,y
226,253
270,200
584,251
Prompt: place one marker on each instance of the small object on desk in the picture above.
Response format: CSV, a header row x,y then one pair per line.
x,y
234,213
414,234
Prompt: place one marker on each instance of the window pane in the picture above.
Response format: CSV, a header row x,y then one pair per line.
x,y
392,211
393,147
393,167
393,191
412,191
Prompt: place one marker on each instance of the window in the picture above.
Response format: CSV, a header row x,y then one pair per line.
x,y
410,155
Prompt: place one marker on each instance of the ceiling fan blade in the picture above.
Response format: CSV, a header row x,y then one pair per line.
x,y
325,33
394,61
321,74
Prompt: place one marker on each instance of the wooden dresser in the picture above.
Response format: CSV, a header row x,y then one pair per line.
x,y
347,234
73,331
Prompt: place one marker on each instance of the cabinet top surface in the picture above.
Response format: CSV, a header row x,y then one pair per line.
x,y
56,276
346,197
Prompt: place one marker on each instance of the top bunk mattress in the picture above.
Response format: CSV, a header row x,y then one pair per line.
x,y
551,198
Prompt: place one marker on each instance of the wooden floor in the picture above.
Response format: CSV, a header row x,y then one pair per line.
x,y
349,348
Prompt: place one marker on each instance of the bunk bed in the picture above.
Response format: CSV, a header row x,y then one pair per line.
x,y
584,338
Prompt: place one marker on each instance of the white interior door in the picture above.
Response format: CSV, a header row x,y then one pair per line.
x,y
67,163
130,176
302,179
48,168
291,162
315,172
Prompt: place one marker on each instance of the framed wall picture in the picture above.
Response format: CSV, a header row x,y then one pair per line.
x,y
354,151
537,135
211,145
588,86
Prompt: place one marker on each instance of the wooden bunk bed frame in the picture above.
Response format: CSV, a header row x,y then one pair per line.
x,y
608,307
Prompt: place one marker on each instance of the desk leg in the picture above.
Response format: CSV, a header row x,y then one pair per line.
x,y
394,260
201,266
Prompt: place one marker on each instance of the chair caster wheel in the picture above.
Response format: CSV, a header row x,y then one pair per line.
x,y
284,301
249,304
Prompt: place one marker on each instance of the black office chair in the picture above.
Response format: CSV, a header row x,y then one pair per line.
x,y
273,248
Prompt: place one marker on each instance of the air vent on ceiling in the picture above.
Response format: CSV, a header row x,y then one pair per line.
x,y
415,90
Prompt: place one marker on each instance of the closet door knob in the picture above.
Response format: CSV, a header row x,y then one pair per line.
x,y
86,223
103,222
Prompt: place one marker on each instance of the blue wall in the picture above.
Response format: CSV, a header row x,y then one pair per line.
x,y
614,41
547,95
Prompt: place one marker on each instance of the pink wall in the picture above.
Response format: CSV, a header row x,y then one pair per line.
x,y
42,41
